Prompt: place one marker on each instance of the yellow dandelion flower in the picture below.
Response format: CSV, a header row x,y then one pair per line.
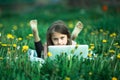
x,y
104,40
89,49
25,48
113,35
111,51
114,78
92,47
49,54
70,24
10,36
118,56
3,44
19,38
31,35
89,55
14,45
67,78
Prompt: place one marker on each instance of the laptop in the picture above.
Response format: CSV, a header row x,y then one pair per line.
x,y
78,50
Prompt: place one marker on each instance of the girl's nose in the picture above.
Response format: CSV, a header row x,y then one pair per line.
x,y
60,42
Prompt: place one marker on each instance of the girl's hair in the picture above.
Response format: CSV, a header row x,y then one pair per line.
x,y
60,27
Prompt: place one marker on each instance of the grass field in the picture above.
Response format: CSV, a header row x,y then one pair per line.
x,y
101,33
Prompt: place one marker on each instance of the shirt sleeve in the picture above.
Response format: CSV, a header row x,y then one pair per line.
x,y
39,48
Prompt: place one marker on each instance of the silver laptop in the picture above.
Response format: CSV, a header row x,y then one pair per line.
x,y
78,50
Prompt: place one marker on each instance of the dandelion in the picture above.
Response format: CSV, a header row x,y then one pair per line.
x,y
91,44
30,35
3,44
89,49
113,35
10,36
104,40
19,38
114,78
49,54
70,25
111,51
89,55
118,56
92,47
14,45
67,78
25,48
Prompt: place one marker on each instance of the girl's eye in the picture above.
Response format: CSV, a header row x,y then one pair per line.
x,y
62,37
55,39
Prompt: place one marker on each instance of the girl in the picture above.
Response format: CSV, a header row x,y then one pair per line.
x,y
57,34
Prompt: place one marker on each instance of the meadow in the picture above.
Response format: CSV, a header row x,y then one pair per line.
x,y
101,33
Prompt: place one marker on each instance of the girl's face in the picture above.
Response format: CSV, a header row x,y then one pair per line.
x,y
59,39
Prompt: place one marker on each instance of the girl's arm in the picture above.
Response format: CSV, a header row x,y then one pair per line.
x,y
33,24
38,43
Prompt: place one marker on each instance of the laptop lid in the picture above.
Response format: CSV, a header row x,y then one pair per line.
x,y
78,50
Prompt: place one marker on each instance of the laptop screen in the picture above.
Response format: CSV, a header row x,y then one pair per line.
x,y
79,50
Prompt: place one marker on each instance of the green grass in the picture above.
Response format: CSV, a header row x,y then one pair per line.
x,y
101,33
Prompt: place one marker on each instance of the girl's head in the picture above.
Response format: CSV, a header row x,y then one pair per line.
x,y
58,34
